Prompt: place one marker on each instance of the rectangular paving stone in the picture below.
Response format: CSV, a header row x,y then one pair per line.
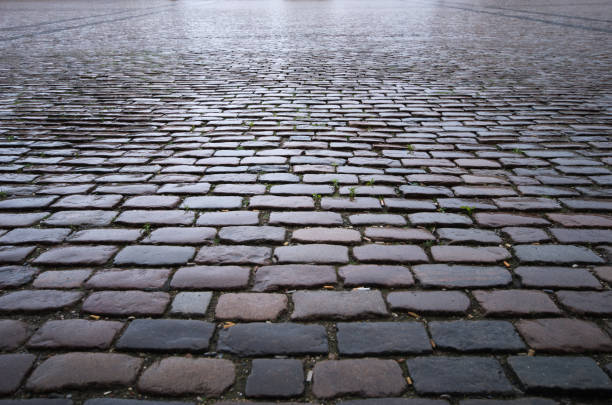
x,y
564,335
376,275
587,302
182,235
305,218
429,302
166,335
382,338
560,374
458,375
228,218
250,306
234,254
459,276
105,235
180,376
117,303
81,218
155,217
34,235
272,278
252,234
13,369
468,254
212,202
84,370
154,255
17,220
71,255
278,202
265,339
515,302
556,277
191,303
472,336
12,334
314,253
75,334
15,276
211,277
144,279
15,254
555,254
357,377
337,305
38,300
275,378
390,253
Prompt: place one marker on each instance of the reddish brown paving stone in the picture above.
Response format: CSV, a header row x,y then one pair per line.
x,y
84,370
556,277
337,305
604,273
117,303
129,279
359,377
175,376
564,335
398,234
250,306
582,220
75,334
515,302
61,278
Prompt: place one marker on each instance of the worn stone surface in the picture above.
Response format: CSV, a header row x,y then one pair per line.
x,y
75,334
166,335
385,166
548,373
458,375
362,377
210,377
13,369
382,338
84,370
275,378
337,305
264,339
250,306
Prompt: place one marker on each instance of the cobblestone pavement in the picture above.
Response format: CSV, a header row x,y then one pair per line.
x,y
308,201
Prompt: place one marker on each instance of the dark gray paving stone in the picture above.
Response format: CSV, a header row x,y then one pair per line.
x,y
13,369
265,339
560,374
12,334
458,276
560,254
166,335
338,305
38,300
276,378
469,336
458,375
382,338
15,276
429,302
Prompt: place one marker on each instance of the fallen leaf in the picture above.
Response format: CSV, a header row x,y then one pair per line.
x,y
228,325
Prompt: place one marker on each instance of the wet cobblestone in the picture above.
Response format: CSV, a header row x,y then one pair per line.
x,y
334,202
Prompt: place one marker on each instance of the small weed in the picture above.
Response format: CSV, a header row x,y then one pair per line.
x,y
3,195
428,243
517,150
352,191
468,209
240,148
145,230
410,148
317,197
10,138
335,183
370,182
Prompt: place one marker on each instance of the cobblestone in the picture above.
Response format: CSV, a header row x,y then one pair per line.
x,y
351,202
